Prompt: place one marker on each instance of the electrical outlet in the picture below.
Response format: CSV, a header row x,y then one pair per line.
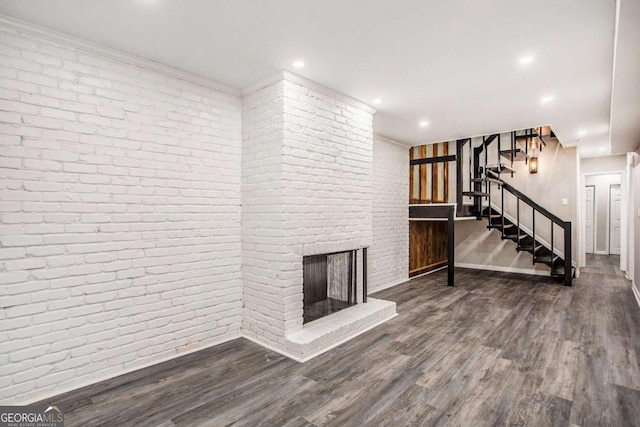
x,y
565,202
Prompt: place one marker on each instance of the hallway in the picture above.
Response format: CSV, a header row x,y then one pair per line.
x,y
497,349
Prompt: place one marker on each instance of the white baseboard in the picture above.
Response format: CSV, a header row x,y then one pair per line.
x,y
601,253
529,271
151,362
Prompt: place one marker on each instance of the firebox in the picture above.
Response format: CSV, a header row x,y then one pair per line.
x,y
329,283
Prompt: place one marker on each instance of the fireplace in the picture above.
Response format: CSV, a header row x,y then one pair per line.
x,y
307,190
329,283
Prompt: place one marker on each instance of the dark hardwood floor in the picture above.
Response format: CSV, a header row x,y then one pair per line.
x,y
497,349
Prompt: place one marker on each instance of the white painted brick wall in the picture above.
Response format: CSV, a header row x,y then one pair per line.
x,y
389,254
119,216
307,162
327,166
263,249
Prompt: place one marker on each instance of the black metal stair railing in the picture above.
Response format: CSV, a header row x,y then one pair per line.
x,y
480,175
559,267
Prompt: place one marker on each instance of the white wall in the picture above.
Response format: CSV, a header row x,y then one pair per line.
x,y
602,184
263,251
120,217
389,253
141,220
603,164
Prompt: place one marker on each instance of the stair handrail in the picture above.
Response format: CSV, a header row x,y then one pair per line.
x,y
529,201
565,225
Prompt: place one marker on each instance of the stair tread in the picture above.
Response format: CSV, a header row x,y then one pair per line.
x,y
558,271
500,168
517,154
475,193
546,258
515,236
466,210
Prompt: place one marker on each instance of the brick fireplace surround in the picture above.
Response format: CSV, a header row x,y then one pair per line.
x,y
307,156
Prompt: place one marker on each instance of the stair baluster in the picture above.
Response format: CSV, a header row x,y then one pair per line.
x,y
533,230
518,218
502,210
568,270
489,201
470,166
513,153
552,244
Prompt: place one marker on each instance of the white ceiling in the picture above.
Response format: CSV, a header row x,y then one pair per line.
x,y
453,63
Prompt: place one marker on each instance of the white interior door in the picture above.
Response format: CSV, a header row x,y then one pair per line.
x,y
614,219
589,210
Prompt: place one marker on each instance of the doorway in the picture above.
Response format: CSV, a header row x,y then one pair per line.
x,y
589,214
601,215
615,220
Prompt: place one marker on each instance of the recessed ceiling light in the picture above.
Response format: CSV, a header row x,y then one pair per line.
x,y
376,101
298,64
424,123
547,99
602,149
526,60
582,132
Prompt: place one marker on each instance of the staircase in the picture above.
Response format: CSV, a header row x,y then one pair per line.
x,y
486,185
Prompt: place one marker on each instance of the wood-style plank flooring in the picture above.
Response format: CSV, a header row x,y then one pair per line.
x,y
497,349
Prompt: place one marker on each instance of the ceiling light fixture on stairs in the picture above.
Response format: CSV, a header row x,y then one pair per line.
x,y
533,164
534,147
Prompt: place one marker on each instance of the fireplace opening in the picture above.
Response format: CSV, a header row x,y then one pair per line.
x,y
328,283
